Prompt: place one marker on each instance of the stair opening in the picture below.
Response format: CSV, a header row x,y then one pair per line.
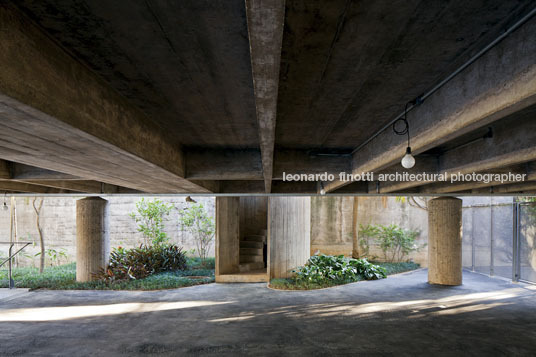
x,y
246,261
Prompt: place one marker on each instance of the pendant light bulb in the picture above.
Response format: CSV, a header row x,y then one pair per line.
x,y
408,161
322,188
5,207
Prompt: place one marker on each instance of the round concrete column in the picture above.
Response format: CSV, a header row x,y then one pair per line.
x,y
445,241
92,242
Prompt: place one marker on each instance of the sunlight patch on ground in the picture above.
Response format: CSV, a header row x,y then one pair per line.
x,y
74,312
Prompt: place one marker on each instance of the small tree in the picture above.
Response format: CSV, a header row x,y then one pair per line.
x,y
37,205
395,242
195,219
149,217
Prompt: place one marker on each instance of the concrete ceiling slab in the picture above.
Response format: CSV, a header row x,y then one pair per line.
x,y
349,67
186,64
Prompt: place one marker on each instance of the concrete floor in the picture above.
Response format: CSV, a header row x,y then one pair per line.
x,y
401,315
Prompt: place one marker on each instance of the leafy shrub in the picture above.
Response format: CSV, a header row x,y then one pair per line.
x,y
322,269
139,263
150,216
197,221
395,242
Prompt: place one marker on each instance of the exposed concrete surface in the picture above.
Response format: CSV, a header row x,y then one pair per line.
x,y
401,315
58,222
10,294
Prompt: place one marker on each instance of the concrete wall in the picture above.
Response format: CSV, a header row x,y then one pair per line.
x,y
227,235
387,210
58,219
331,225
253,215
335,223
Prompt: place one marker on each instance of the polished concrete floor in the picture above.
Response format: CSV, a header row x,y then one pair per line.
x,y
398,316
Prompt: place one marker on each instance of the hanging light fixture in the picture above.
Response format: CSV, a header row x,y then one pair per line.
x,y
322,189
408,161
4,206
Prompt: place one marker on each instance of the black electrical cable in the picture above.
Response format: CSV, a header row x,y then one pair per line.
x,y
404,120
452,75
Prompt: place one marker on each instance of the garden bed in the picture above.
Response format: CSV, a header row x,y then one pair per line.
x,y
63,277
304,284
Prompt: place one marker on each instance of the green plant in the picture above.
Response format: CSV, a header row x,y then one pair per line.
x,y
141,262
63,277
321,269
196,221
293,284
54,255
150,216
366,234
395,242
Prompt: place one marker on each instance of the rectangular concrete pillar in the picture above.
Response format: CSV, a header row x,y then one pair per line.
x,y
227,235
289,232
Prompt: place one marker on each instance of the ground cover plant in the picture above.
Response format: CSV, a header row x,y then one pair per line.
x,y
322,271
63,277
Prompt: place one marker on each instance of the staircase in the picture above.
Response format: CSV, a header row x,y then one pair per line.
x,y
251,268
251,252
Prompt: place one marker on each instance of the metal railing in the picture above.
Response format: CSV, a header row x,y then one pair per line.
x,y
11,255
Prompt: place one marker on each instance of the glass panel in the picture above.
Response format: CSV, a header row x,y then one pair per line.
x,y
503,240
467,238
482,238
527,242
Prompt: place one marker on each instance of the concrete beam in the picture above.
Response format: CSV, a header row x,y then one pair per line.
x,y
241,186
513,143
57,114
26,172
266,19
529,171
304,162
14,186
294,187
85,186
215,164
5,171
523,187
501,82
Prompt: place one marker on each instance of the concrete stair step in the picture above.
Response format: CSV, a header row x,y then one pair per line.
x,y
245,267
254,276
250,258
254,238
246,244
250,251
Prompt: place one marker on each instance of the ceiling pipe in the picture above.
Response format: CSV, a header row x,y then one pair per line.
x,y
452,75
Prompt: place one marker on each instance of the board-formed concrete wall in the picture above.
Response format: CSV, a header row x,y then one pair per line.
x,y
58,220
331,221
335,223
389,210
331,225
